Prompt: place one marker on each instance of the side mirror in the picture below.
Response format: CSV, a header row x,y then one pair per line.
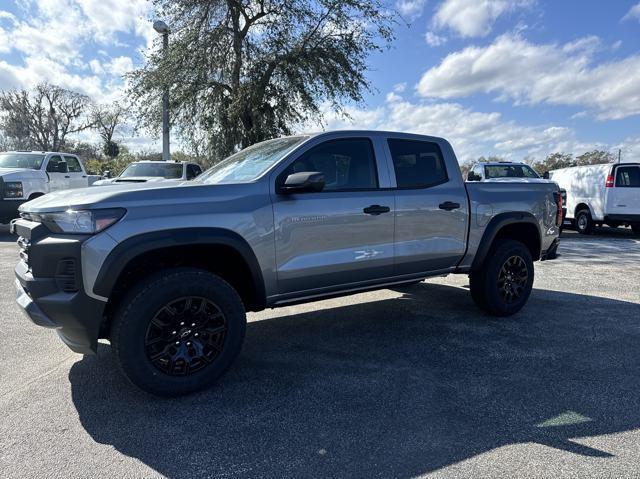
x,y
303,182
546,175
471,176
106,174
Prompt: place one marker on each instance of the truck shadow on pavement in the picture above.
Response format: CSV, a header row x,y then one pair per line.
x,y
390,388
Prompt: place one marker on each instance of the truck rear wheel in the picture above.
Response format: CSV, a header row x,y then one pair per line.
x,y
584,222
503,284
178,331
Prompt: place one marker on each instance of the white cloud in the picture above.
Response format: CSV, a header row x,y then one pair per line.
x,y
410,9
400,87
529,73
474,18
121,65
434,40
633,13
54,36
472,133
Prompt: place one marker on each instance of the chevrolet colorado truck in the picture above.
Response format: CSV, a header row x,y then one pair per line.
x,y
166,272
25,175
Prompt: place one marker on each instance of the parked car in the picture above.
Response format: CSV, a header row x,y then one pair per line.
x,y
167,271
25,175
144,171
601,194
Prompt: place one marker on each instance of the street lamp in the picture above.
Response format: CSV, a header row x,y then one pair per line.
x,y
163,29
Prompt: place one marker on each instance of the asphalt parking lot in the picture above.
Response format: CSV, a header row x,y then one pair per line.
x,y
405,383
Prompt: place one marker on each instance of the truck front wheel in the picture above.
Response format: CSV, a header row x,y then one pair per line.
x,y
178,331
503,284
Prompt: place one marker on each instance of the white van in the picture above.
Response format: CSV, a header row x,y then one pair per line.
x,y
601,194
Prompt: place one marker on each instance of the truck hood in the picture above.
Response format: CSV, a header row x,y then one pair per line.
x,y
9,174
156,194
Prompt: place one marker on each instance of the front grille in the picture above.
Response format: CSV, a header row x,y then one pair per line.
x,y
66,277
24,245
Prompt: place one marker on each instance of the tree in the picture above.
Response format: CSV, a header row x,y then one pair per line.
x,y
595,157
554,161
108,119
44,117
243,71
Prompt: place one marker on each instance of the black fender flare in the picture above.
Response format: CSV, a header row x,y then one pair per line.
x,y
495,225
131,248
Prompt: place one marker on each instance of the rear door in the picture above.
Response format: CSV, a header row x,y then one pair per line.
x,y
77,176
342,235
431,206
624,197
58,173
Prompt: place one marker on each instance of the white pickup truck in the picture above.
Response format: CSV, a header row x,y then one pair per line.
x,y
25,175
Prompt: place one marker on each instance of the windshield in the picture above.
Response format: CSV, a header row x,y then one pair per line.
x,y
248,164
161,170
510,171
21,160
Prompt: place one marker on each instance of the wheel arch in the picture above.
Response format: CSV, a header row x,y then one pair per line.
x,y
196,247
581,206
520,226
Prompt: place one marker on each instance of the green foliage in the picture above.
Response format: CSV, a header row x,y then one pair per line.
x,y
111,149
595,157
556,161
97,166
242,71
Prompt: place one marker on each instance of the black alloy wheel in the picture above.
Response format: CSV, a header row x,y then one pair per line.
x,y
512,279
185,335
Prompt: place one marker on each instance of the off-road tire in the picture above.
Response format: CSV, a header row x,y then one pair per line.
x,y
130,329
488,284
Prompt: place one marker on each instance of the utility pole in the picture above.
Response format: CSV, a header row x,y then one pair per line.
x,y
619,154
163,29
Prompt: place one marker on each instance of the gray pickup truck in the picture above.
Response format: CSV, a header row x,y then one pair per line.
x,y
166,272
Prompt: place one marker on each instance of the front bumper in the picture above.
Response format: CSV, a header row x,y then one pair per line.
x,y
9,210
49,286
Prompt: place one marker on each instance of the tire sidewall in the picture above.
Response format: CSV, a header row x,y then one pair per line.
x,y
588,226
494,301
142,305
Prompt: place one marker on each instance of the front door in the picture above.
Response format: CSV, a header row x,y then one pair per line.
x,y
58,173
431,207
342,235
77,177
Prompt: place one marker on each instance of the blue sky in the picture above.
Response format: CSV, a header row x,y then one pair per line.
x,y
516,78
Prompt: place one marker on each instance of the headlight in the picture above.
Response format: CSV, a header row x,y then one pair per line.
x,y
13,189
78,221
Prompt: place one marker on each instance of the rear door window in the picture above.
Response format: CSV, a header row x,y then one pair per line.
x,y
417,164
628,177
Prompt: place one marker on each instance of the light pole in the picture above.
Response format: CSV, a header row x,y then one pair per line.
x,y
163,29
